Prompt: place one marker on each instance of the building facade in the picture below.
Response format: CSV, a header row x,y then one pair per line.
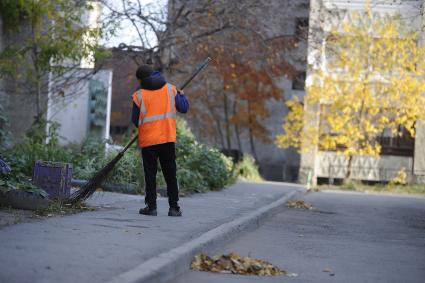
x,y
397,153
278,18
79,100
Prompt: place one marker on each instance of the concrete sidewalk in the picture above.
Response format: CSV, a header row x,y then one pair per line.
x,y
114,242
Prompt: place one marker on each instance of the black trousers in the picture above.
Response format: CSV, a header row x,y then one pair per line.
x,y
166,153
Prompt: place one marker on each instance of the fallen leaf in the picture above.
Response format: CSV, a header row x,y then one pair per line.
x,y
236,264
292,274
299,204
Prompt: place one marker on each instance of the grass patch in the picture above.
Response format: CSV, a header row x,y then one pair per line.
x,y
56,208
377,188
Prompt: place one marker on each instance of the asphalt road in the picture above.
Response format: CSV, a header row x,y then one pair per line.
x,y
354,237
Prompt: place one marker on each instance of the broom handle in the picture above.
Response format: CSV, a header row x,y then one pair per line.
x,y
195,73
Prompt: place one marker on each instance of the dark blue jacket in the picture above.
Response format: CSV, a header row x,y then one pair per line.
x,y
154,82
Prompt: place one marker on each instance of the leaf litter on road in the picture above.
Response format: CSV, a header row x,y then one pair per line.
x,y
300,204
235,264
329,270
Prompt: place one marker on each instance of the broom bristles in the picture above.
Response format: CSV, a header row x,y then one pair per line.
x,y
91,186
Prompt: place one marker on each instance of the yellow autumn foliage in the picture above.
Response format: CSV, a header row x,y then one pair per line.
x,y
373,82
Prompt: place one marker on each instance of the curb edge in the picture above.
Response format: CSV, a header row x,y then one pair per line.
x,y
169,264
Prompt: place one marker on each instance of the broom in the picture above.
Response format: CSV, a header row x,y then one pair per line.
x,y
90,187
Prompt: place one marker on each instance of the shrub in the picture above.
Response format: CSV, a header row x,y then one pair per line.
x,y
199,167
400,178
209,169
22,157
5,136
129,169
88,158
246,169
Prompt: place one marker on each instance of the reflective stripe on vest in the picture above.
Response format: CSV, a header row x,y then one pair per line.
x,y
171,114
142,105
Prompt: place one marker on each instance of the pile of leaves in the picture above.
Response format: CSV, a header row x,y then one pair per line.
x,y
235,264
300,204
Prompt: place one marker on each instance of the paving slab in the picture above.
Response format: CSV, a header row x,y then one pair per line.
x,y
100,245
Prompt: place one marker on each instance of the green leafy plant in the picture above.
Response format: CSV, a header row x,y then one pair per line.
x,y
199,167
246,169
208,168
129,169
17,181
5,136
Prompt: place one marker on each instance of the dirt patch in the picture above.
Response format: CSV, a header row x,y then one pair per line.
x,y
10,216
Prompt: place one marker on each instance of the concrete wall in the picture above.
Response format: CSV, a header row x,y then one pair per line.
x,y
2,93
419,160
18,95
70,107
385,167
124,64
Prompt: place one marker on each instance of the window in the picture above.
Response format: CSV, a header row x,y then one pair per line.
x,y
301,28
298,83
397,145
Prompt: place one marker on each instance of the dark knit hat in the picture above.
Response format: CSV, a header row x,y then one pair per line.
x,y
144,71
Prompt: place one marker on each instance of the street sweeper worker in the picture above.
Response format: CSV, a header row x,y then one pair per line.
x,y
154,114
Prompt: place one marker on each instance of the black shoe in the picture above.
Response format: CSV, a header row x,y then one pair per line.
x,y
174,211
148,211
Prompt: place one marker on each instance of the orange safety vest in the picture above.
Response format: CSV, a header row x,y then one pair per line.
x,y
157,120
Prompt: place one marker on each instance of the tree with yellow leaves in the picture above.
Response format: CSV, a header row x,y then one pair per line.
x,y
373,81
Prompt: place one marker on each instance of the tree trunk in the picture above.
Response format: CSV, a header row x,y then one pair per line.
x,y
350,161
251,135
38,98
36,68
226,121
237,133
251,141
220,132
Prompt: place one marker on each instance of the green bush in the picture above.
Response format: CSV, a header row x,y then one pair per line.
x,y
88,158
246,169
202,167
5,136
191,181
199,167
129,170
22,157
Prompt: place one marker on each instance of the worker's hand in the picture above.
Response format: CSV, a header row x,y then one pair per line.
x,y
180,91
